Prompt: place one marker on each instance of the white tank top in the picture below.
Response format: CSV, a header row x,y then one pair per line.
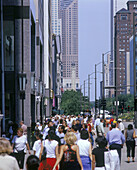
x,y
83,147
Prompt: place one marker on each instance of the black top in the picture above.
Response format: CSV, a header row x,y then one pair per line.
x,y
99,156
69,161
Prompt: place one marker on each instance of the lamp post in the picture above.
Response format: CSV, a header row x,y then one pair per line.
x,y
22,88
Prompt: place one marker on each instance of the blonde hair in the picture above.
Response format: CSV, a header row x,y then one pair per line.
x,y
70,138
5,147
20,129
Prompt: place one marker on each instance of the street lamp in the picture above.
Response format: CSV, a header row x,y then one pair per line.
x,y
22,88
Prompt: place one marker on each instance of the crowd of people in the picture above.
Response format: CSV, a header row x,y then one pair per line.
x,y
67,142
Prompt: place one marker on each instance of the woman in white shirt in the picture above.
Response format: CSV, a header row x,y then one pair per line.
x,y
37,144
19,144
7,162
51,146
85,150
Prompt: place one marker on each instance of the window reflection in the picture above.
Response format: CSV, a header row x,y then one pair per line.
x,y
9,45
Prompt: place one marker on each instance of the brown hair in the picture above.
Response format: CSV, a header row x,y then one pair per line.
x,y
5,147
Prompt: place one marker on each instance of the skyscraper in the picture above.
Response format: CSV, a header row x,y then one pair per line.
x,y
56,22
116,5
69,15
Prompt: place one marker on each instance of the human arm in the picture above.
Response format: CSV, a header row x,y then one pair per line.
x,y
78,157
57,151
126,135
90,151
93,162
28,148
134,134
41,151
59,157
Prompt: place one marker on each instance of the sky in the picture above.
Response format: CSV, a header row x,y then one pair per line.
x,y
94,39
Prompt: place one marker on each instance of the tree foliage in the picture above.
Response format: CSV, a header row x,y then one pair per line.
x,y
124,102
70,102
74,102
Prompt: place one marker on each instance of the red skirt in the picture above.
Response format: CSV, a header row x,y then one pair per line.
x,y
51,162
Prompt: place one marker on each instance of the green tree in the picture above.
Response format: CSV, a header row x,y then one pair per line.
x,y
70,102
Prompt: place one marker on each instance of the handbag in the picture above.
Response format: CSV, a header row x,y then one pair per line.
x,y
44,153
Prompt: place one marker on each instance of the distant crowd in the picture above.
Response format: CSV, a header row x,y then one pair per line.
x,y
65,142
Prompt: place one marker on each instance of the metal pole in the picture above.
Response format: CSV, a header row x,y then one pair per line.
x,y
2,69
84,95
89,89
81,98
116,95
134,59
103,85
95,90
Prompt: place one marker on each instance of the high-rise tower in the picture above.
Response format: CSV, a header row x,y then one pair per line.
x,y
116,5
69,15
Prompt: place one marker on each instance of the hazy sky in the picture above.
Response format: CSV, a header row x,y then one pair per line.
x,y
94,37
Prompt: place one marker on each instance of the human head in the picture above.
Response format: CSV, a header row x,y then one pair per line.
x,y
119,120
32,163
70,138
78,122
74,128
50,124
101,141
102,120
130,126
20,132
113,125
84,126
5,147
51,134
61,129
21,123
84,134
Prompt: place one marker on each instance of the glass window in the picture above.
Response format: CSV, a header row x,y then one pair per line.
x,y
8,39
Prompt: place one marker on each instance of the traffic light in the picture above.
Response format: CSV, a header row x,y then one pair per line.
x,y
128,108
96,103
122,110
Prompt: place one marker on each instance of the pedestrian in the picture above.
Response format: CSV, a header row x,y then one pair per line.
x,y
32,163
85,150
100,128
19,144
37,144
51,146
116,139
76,132
70,154
121,125
98,162
130,136
24,127
90,131
7,162
60,134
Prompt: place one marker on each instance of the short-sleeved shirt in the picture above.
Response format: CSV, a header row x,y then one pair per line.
x,y
99,156
37,147
19,143
50,148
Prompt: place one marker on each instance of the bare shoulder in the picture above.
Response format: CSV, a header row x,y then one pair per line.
x,y
75,147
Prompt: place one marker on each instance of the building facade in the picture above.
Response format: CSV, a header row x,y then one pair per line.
x,y
122,36
115,6
68,12
23,41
